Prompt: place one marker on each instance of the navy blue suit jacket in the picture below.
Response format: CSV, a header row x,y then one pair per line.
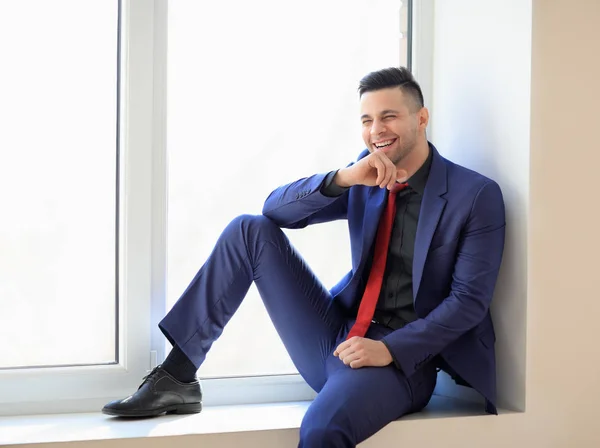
x,y
457,256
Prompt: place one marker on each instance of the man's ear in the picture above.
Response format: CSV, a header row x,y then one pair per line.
x,y
423,118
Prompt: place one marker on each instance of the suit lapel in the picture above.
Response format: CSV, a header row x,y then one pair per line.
x,y
432,207
373,209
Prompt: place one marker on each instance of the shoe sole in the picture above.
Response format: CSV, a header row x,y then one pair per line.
x,y
188,408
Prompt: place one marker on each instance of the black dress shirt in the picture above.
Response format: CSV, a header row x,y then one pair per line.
x,y
395,306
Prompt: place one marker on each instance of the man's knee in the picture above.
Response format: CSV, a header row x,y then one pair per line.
x,y
251,230
324,427
253,224
323,436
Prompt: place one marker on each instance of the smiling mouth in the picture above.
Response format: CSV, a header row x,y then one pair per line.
x,y
384,144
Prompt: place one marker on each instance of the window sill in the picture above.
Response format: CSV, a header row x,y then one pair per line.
x,y
219,420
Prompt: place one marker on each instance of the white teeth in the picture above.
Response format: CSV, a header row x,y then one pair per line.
x,y
384,144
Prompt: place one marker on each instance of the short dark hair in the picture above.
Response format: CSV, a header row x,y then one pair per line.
x,y
399,77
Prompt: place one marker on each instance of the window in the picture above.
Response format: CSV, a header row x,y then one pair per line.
x,y
259,94
267,87
59,108
74,313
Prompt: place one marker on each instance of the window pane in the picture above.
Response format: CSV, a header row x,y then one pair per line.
x,y
262,93
57,233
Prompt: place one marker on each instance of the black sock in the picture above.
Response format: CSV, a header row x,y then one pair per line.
x,y
179,366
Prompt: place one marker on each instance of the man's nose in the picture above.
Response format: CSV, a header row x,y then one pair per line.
x,y
377,127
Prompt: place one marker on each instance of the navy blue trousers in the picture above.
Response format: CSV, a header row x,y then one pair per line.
x,y
351,404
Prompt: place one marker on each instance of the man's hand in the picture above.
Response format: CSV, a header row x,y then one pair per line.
x,y
373,170
359,352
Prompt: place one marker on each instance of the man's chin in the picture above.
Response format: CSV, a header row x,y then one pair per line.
x,y
400,155
396,158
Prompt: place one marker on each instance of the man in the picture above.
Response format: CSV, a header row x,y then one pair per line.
x,y
427,238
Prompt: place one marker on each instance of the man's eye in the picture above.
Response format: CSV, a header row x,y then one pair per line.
x,y
365,122
388,117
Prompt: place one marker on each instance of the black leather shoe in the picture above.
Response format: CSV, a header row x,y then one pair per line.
x,y
159,393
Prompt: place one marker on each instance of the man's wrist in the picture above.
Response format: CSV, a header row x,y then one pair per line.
x,y
330,188
341,179
394,359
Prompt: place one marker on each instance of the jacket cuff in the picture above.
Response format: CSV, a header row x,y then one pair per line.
x,y
397,364
331,189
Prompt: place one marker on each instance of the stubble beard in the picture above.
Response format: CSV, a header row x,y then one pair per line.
x,y
404,150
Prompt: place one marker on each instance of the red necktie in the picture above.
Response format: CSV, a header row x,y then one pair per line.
x,y
373,288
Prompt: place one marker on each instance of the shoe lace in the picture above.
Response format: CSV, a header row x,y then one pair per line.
x,y
150,377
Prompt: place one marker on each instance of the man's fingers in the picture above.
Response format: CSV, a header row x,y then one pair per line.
x,y
392,179
340,348
349,358
386,178
387,173
380,167
358,363
391,171
381,163
390,174
347,353
353,352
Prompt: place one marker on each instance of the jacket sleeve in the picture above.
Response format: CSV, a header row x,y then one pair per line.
x,y
474,278
301,203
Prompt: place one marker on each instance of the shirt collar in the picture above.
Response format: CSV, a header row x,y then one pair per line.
x,y
418,180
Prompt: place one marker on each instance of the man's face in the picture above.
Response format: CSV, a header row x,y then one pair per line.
x,y
389,123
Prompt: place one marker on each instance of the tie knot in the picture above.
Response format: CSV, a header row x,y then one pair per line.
x,y
398,187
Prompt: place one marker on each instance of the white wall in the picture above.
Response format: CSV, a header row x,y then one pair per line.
x,y
480,119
